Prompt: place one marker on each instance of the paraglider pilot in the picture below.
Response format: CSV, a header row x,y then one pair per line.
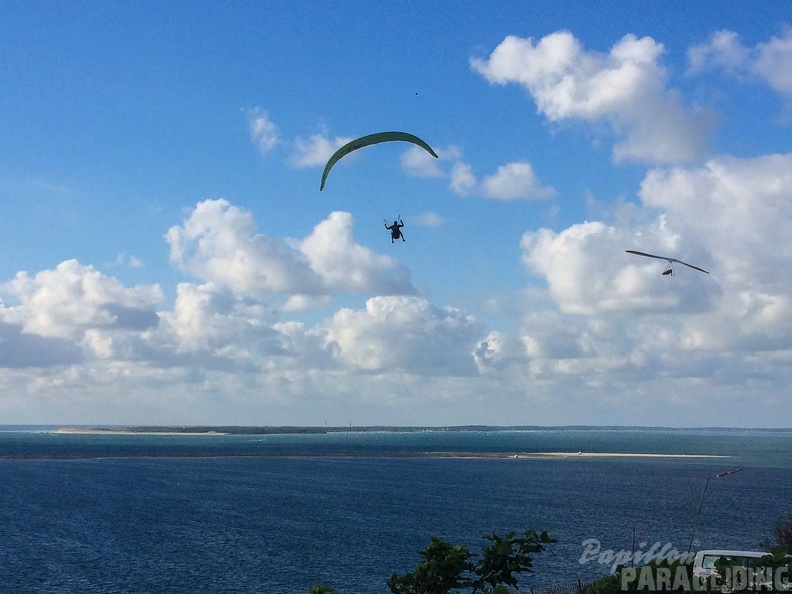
x,y
395,230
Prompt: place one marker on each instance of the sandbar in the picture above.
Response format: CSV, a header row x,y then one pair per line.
x,y
610,455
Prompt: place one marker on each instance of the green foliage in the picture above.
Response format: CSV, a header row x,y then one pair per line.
x,y
453,568
759,576
507,556
446,567
782,535
610,584
443,568
778,557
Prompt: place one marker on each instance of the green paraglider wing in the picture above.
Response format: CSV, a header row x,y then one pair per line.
x,y
368,141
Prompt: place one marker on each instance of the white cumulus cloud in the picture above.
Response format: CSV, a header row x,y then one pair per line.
x,y
344,266
769,62
625,88
208,318
263,131
587,270
419,163
619,324
463,181
406,333
741,209
515,181
428,219
316,150
217,243
66,301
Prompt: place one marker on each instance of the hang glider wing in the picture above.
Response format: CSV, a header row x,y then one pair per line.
x,y
637,253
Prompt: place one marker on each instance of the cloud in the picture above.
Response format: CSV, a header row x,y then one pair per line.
x,y
731,329
316,150
587,270
548,335
428,219
769,62
309,349
217,243
129,260
723,51
515,181
210,319
774,63
344,266
463,181
741,209
71,298
600,334
263,132
625,88
92,320
405,333
224,357
20,349
498,351
419,163
299,302
730,216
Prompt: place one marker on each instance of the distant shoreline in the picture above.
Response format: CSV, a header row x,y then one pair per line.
x,y
79,431
330,429
218,431
396,454
327,429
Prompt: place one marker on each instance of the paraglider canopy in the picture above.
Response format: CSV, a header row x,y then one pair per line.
x,y
669,269
364,141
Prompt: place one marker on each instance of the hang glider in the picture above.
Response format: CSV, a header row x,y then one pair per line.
x,y
670,268
368,141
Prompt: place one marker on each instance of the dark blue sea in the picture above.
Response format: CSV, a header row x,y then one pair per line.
x,y
281,513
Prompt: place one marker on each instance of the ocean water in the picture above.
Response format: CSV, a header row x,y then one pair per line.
x,y
277,514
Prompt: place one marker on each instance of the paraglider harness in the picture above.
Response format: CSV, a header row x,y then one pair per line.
x,y
395,229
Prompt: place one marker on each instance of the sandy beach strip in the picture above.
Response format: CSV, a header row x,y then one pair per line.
x,y
534,455
610,455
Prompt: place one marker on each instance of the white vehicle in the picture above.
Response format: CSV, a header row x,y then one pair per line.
x,y
704,561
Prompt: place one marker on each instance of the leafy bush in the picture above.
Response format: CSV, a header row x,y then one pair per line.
x,y
448,567
782,535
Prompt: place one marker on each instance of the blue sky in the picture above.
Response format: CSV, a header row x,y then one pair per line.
x,y
168,257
